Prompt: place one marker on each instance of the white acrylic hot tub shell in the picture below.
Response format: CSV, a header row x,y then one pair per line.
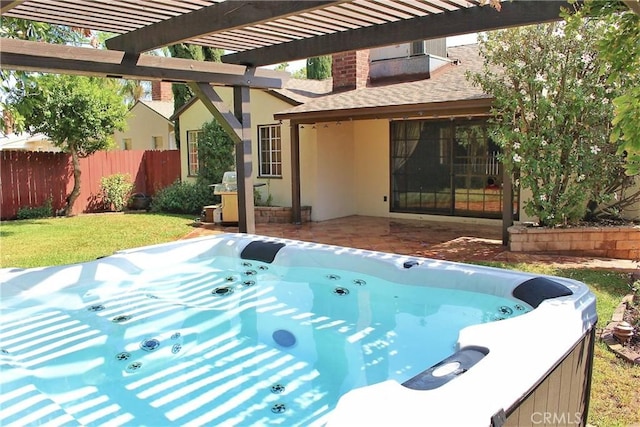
x,y
521,349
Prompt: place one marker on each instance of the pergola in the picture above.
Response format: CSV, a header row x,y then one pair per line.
x,y
255,33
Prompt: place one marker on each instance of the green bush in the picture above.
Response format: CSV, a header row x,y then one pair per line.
x,y
183,197
44,211
215,153
116,190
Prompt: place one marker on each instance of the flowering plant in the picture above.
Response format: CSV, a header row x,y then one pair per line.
x,y
552,119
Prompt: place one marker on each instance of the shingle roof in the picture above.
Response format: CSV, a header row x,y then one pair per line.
x,y
446,84
164,108
304,90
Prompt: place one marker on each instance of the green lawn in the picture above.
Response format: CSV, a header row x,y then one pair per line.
x,y
56,241
615,397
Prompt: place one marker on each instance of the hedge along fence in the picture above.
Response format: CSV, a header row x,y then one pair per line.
x,y
29,178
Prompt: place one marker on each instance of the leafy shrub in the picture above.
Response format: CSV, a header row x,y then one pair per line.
x,y
215,153
44,211
116,190
552,118
183,197
257,198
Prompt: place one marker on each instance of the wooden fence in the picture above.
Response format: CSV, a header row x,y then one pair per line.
x,y
30,178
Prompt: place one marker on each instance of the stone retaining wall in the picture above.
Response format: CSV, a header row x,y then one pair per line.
x,y
604,242
279,215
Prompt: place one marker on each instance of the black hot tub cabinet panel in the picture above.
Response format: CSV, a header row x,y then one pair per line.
x,y
561,397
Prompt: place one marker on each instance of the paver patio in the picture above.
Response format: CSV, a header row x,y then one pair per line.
x,y
453,241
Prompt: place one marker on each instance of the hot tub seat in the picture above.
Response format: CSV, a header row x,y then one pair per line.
x,y
538,289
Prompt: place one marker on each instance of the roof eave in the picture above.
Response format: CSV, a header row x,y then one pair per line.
x,y
433,110
176,115
167,119
283,97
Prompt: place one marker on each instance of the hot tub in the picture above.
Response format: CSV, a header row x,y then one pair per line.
x,y
238,329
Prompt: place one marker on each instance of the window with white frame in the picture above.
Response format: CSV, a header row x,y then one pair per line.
x,y
157,143
192,151
270,151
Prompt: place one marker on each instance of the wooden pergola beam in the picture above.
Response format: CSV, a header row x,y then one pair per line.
x,y
6,5
463,21
51,58
218,109
633,5
218,17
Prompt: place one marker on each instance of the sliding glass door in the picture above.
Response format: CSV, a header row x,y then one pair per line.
x,y
445,167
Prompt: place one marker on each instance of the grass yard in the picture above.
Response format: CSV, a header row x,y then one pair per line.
x,y
615,393
56,241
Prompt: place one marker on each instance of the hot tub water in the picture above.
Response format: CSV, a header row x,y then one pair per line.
x,y
225,341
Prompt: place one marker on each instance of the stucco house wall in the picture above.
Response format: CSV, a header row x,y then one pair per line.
x,y
191,119
144,123
308,167
262,107
27,142
334,193
372,177
345,168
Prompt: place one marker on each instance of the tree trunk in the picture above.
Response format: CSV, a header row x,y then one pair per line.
x,y
75,160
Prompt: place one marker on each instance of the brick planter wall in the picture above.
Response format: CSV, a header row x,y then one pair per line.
x,y
604,242
279,215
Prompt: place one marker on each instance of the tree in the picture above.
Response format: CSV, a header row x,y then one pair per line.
x,y
79,114
552,118
319,67
618,45
181,92
215,153
300,73
132,91
14,83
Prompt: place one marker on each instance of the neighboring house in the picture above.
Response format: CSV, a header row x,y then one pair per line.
x,y
27,142
148,125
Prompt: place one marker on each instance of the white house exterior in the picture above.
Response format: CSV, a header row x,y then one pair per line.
x,y
148,124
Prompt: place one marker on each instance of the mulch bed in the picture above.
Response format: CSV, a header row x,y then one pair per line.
x,y
628,310
632,316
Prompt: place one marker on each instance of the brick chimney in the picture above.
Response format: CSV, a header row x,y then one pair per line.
x,y
161,91
350,70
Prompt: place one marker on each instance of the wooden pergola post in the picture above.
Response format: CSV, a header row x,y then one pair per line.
x,y
244,169
507,205
237,124
296,208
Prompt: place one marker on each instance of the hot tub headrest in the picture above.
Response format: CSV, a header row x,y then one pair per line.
x,y
538,289
259,250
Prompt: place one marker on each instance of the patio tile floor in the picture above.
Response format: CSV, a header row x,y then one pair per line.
x,y
464,242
